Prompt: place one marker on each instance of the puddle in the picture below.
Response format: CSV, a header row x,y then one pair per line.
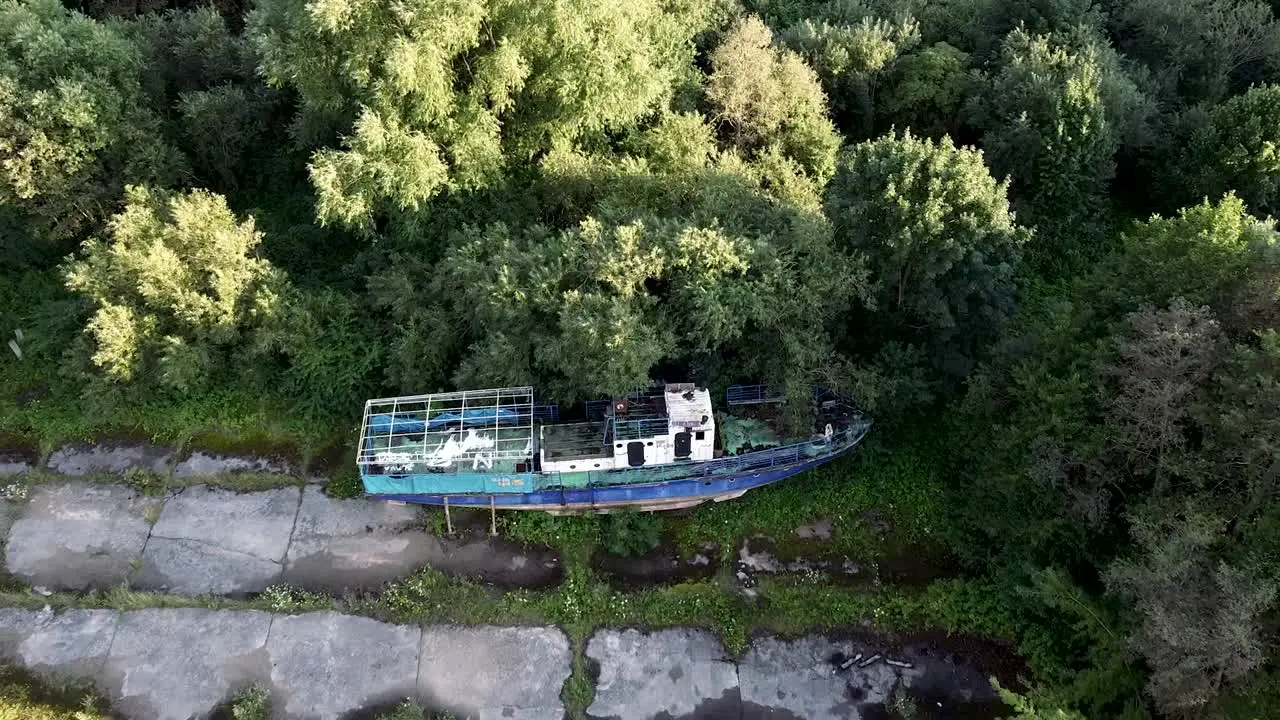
x,y
111,454
501,563
212,454
945,668
906,565
661,566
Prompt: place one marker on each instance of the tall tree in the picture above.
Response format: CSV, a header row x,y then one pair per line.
x,y
1201,51
1163,360
176,289
767,98
926,91
1199,623
852,60
1237,149
1052,115
444,94
697,267
941,243
74,126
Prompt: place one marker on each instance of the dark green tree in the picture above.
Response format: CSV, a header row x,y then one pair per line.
x,y
926,91
1053,114
1200,51
941,244
1237,149
74,124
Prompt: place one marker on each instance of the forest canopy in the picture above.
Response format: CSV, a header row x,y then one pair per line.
x,y
1039,230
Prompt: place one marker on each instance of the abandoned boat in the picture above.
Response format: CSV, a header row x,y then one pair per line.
x,y
659,449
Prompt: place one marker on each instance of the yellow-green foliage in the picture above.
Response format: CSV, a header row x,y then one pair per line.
x,y
21,698
175,288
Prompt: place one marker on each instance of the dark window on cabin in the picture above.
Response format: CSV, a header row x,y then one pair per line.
x,y
700,435
684,446
635,453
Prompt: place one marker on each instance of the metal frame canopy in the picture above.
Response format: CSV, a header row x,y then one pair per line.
x,y
443,432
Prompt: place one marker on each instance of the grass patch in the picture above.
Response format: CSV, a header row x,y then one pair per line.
x,y
120,598
240,481
630,533
285,448
584,603
345,483
252,703
575,536
23,696
579,689
899,475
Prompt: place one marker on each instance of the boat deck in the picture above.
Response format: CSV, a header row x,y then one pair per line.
x,y
575,441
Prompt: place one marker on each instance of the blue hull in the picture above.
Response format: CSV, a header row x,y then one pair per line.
x,y
672,493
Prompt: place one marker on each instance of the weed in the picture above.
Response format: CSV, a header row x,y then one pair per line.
x,y
252,703
151,513
24,697
436,523
575,536
146,481
288,599
580,688
15,491
899,475
345,483
410,710
900,705
630,533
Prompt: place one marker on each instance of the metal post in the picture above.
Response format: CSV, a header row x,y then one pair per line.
x,y
448,522
493,517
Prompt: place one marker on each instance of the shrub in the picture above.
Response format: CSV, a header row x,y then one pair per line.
x,y
631,533
176,289
251,704
345,484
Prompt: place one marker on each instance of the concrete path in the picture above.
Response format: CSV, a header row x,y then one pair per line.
x,y
180,664
175,664
198,540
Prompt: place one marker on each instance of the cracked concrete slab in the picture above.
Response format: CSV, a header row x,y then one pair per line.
x,y
209,540
490,673
254,523
75,536
341,544
324,665
69,644
190,567
78,459
10,466
176,664
666,673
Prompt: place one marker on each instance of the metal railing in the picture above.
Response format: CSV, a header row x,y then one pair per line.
x,y
759,460
751,395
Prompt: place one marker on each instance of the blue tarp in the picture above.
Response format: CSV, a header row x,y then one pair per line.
x,y
386,423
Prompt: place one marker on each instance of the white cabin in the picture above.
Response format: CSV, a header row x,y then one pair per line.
x,y
672,426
